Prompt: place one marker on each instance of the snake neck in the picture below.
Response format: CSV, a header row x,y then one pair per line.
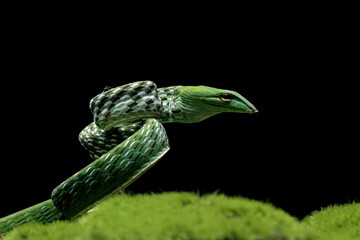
x,y
179,107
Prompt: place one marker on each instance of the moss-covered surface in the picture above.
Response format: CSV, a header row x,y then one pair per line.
x,y
190,216
342,221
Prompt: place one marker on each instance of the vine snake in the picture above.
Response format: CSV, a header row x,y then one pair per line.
x,y
125,139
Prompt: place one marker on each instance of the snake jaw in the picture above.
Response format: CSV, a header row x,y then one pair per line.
x,y
238,105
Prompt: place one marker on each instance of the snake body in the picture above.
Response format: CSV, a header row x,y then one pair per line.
x,y
125,139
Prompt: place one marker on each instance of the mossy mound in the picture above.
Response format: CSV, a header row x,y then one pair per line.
x,y
190,216
342,221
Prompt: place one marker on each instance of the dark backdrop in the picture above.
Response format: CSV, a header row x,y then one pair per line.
x,y
295,153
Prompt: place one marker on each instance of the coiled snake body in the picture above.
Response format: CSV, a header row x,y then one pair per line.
x,y
125,139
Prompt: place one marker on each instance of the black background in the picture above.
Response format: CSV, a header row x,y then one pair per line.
x,y
298,152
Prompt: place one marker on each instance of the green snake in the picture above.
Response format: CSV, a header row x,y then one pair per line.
x,y
125,139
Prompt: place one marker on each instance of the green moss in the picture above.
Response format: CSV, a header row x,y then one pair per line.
x,y
190,216
342,221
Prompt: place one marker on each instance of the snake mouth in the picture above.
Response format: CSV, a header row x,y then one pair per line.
x,y
234,106
211,104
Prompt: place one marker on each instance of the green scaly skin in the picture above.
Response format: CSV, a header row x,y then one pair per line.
x,y
125,140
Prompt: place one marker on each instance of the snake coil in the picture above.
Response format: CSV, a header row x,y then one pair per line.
x,y
125,139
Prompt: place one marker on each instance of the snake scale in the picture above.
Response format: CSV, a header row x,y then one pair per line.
x,y
125,139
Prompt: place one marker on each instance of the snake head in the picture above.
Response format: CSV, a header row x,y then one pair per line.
x,y
208,101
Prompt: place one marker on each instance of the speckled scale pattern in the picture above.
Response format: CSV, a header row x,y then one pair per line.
x,y
113,171
161,103
98,142
126,104
44,212
172,108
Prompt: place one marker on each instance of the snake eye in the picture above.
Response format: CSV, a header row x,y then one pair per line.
x,y
226,97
